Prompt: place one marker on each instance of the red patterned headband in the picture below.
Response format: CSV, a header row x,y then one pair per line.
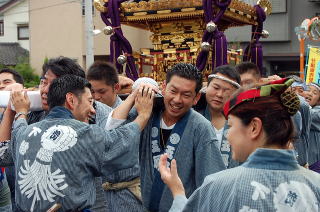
x,y
252,94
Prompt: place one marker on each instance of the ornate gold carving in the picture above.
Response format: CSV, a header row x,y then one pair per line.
x,y
99,5
197,36
177,35
266,5
159,5
231,17
163,17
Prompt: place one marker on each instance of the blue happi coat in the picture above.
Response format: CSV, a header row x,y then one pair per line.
x,y
58,158
197,156
270,180
121,200
102,112
5,199
302,121
314,136
225,147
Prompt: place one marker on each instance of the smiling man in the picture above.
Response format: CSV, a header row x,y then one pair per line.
x,y
182,133
58,158
8,77
55,68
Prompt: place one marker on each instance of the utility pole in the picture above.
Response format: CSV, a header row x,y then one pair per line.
x,y
89,33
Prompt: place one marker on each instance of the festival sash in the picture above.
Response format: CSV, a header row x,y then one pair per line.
x,y
172,145
225,148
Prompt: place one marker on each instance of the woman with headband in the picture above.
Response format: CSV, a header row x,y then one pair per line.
x,y
222,83
270,179
313,98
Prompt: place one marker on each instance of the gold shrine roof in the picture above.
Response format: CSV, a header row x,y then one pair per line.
x,y
140,14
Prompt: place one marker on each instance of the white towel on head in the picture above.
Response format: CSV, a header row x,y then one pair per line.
x,y
146,80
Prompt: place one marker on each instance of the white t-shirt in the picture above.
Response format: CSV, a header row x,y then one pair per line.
x,y
219,134
165,127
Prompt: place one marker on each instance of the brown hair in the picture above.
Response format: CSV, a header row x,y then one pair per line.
x,y
276,120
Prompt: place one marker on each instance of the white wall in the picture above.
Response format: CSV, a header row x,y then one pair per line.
x,y
55,30
13,17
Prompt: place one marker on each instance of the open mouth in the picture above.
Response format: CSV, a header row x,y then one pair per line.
x,y
308,99
175,108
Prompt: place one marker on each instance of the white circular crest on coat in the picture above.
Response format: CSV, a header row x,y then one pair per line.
x,y
174,138
295,196
23,147
59,138
154,132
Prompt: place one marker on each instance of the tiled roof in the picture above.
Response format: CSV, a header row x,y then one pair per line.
x,y
10,53
4,4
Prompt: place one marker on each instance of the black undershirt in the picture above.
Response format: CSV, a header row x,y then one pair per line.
x,y
164,136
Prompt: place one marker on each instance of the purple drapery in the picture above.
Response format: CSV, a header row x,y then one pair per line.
x,y
216,39
118,43
253,52
315,167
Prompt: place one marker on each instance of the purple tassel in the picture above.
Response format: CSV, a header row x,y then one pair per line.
x,y
202,60
219,55
315,167
253,51
216,39
119,44
257,55
203,55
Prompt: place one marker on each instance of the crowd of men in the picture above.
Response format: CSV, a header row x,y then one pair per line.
x,y
90,150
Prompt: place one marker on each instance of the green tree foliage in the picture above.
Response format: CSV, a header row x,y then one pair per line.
x,y
27,72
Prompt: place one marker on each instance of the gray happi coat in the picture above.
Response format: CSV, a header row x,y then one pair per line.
x,y
102,112
302,120
197,156
57,159
269,181
314,136
225,148
121,200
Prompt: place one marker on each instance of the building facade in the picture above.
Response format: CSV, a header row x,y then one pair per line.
x,y
281,49
14,23
57,28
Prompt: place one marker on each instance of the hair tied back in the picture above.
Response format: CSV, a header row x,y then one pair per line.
x,y
290,101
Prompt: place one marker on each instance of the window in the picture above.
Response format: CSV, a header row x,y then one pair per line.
x,y
23,32
84,8
1,28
